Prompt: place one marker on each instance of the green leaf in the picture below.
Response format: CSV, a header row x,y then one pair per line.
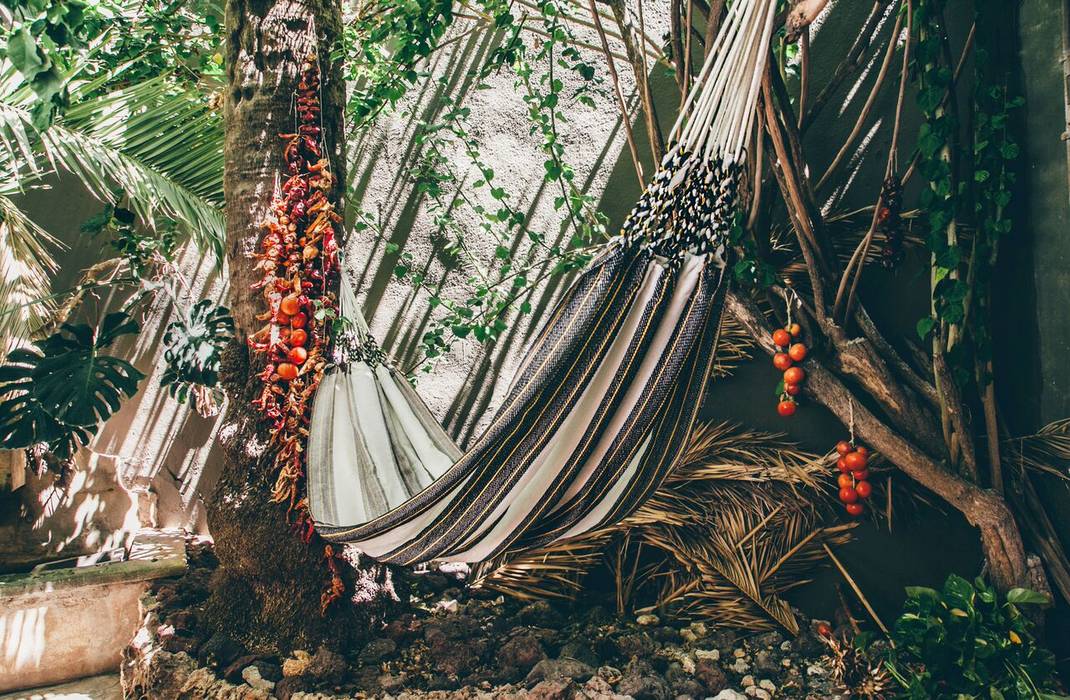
x,y
925,326
922,592
1024,596
59,390
24,54
193,348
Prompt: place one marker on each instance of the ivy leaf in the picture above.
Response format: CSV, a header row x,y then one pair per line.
x,y
925,326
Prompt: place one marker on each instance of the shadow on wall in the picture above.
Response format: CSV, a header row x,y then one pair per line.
x,y
465,385
151,462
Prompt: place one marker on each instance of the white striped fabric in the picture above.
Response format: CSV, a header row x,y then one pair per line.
x,y
604,403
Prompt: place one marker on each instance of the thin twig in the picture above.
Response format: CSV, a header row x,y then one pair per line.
x,y
864,114
713,23
642,78
625,117
675,30
687,45
854,587
804,72
850,62
796,208
889,170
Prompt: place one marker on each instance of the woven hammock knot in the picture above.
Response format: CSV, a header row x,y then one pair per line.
x,y
688,208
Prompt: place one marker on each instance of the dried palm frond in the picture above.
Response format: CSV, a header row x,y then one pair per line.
x,y
1047,450
733,347
855,674
846,232
555,571
736,524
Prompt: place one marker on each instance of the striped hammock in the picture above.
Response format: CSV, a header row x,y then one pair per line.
x,y
604,403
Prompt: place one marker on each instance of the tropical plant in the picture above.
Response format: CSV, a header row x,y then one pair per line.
x,y
154,146
969,641
59,390
26,269
193,348
736,525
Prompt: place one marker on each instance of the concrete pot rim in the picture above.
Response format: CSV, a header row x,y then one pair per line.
x,y
154,554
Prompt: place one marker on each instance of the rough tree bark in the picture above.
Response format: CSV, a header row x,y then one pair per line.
x,y
267,590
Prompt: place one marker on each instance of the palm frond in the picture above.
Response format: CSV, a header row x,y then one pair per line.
x,y
160,145
26,264
738,523
1047,450
734,344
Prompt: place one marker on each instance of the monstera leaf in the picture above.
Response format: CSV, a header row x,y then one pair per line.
x,y
194,346
58,391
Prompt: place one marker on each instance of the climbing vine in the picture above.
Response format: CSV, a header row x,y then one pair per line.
x,y
967,189
935,153
994,153
523,256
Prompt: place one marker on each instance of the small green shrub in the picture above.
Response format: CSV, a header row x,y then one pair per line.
x,y
965,642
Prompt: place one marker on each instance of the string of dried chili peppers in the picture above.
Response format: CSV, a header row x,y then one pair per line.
x,y
889,222
298,260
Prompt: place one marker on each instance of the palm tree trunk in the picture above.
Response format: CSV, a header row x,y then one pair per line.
x,y
267,590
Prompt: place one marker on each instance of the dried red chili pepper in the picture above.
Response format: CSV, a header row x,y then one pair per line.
x,y
297,256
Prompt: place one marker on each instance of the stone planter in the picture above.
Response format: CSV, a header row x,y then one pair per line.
x,y
58,623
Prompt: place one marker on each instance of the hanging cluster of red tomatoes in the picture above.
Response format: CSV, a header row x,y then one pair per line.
x,y
297,261
789,352
855,488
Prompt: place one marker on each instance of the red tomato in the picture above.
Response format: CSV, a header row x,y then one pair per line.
x,y
843,447
797,352
792,389
855,461
855,509
845,481
299,320
298,337
823,629
848,495
286,371
795,330
781,337
841,464
786,408
862,451
794,375
781,361
861,474
298,355
864,489
290,305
